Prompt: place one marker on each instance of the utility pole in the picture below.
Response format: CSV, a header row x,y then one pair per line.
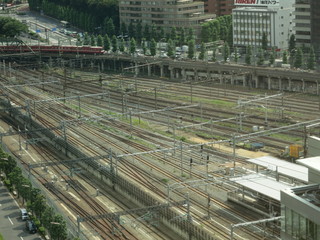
x,y
155,98
130,118
208,206
234,150
191,91
181,158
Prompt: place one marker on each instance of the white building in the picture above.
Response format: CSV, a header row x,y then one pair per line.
x,y
252,18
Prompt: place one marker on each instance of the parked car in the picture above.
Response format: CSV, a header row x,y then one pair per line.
x,y
24,214
31,227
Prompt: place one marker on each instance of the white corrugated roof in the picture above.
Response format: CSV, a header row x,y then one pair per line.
x,y
285,168
262,184
312,162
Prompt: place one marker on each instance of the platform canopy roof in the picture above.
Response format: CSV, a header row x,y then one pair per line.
x,y
262,184
283,167
311,162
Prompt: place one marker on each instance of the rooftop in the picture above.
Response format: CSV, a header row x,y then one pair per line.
x,y
262,184
309,194
311,163
283,167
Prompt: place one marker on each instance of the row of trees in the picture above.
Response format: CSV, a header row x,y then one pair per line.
x,y
42,214
115,44
89,15
218,29
138,31
300,57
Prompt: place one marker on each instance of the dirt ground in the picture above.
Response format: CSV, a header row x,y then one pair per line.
x,y
224,148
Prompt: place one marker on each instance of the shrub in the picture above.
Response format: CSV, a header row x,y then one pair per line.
x,y
42,231
7,183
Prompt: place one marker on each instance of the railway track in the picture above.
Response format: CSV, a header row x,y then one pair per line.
x,y
135,172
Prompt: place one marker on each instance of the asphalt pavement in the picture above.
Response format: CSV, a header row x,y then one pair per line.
x,y
11,225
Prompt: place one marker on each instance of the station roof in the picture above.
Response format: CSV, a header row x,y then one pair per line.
x,y
311,162
285,168
262,184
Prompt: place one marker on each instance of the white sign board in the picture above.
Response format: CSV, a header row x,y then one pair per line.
x,y
256,2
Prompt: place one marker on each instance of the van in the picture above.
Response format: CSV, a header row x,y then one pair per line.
x,y
31,227
24,214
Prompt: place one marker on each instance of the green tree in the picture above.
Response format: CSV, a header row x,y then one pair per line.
x,y
110,28
230,35
298,59
285,57
139,32
99,41
173,34
15,177
144,47
123,28
214,56
93,40
236,55
154,33
7,164
261,57
47,217
191,49
190,35
106,42
248,55
24,189
206,33
214,35
114,43
146,32
181,38
39,205
292,44
202,51
153,47
226,51
272,57
311,59
58,228
86,39
121,45
264,41
10,27
133,46
171,48
132,30
161,33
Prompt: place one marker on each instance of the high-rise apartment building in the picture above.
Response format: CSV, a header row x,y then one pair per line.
x,y
315,23
219,7
252,19
307,22
302,22
164,13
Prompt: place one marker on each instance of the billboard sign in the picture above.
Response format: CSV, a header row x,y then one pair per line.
x,y
256,2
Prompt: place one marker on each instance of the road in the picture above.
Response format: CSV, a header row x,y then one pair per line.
x,y
11,225
38,23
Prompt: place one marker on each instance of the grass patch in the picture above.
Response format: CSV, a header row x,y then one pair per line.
x,y
1,238
286,137
165,181
203,135
144,143
222,103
